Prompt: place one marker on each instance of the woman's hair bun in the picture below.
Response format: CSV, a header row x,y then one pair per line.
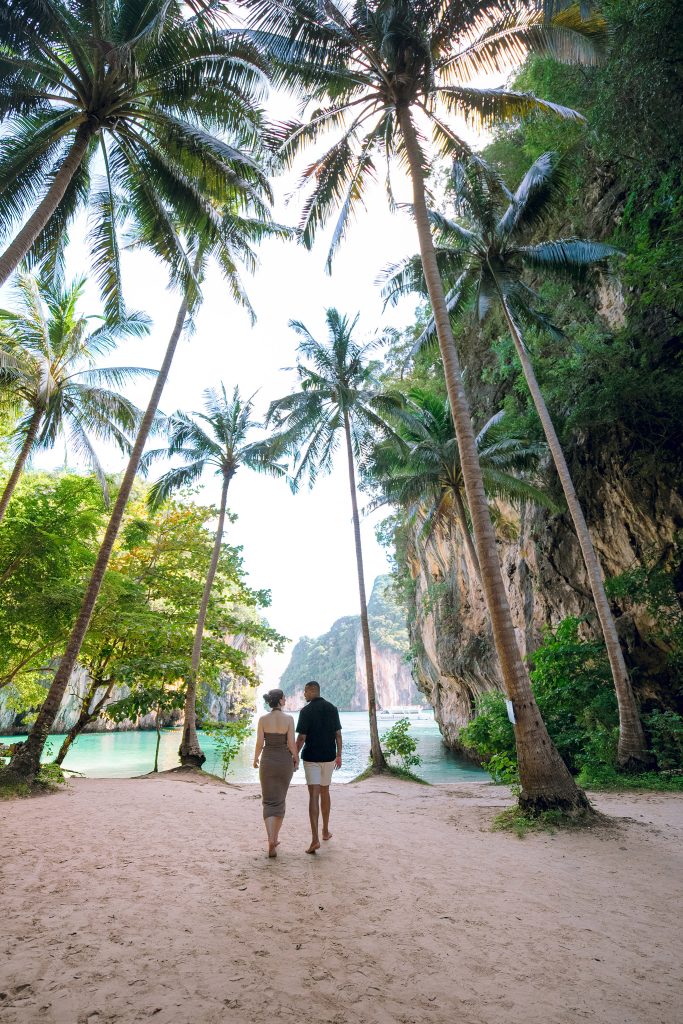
x,y
273,698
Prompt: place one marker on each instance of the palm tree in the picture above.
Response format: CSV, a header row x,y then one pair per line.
x,y
117,106
486,256
226,234
420,469
49,354
338,393
218,439
378,73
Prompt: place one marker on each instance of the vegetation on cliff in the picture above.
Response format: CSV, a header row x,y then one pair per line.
x,y
331,658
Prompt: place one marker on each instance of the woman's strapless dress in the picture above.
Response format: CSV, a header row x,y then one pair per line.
x,y
275,772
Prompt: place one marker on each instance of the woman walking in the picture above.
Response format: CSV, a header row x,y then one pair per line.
x,y
279,759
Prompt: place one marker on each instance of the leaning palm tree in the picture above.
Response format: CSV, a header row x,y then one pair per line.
x,y
216,439
120,104
485,254
50,375
226,234
419,467
385,76
338,394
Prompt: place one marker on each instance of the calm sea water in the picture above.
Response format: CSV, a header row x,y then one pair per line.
x,y
124,754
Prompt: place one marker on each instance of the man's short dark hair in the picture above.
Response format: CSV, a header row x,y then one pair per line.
x,y
314,684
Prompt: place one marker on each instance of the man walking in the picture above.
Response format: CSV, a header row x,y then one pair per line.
x,y
319,733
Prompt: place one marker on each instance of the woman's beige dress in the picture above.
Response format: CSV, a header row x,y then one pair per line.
x,y
275,772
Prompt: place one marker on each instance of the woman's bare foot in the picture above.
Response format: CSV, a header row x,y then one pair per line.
x,y
327,835
315,845
272,852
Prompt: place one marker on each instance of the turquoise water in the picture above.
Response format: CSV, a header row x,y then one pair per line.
x,y
124,754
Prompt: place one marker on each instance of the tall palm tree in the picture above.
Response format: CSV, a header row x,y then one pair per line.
x,y
215,439
419,468
120,104
384,75
50,374
226,234
486,255
338,394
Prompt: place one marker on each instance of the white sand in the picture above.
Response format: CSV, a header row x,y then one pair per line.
x,y
152,900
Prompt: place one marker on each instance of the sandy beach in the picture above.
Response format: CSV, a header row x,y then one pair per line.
x,y
127,900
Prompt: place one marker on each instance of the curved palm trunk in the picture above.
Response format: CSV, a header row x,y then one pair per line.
x,y
190,751
86,716
376,755
632,751
461,516
26,761
22,242
21,460
545,779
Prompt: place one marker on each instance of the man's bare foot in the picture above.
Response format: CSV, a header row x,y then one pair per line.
x,y
327,835
315,845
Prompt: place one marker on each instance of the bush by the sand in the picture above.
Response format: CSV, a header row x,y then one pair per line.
x,y
398,745
573,689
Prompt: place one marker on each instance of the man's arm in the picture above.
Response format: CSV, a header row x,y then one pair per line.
x,y
300,740
338,738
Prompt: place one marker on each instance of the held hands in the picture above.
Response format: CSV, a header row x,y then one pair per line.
x,y
296,762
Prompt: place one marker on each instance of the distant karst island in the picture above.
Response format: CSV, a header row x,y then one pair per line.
x,y
336,658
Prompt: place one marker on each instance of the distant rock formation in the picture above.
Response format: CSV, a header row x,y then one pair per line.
x,y
337,661
219,705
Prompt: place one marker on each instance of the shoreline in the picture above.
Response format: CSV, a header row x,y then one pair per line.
x,y
152,898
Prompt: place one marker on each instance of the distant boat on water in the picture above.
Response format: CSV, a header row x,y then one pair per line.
x,y
414,711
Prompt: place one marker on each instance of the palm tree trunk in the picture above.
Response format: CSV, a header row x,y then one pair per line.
x,y
157,722
26,447
632,750
190,751
545,779
26,761
86,716
461,516
22,242
376,755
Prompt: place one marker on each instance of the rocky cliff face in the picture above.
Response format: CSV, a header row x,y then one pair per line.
x,y
219,705
337,659
630,513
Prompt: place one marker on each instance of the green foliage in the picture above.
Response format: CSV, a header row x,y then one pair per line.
x,y
572,685
170,121
398,744
142,628
652,587
665,730
623,183
228,738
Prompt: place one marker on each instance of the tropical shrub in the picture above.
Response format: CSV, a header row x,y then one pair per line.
x,y
398,744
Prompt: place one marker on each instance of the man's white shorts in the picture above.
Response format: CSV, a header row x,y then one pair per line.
x,y
318,773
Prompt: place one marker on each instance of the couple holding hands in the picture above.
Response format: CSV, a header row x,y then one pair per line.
x,y
277,758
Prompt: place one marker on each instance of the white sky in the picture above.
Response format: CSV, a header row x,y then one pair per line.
x,y
298,546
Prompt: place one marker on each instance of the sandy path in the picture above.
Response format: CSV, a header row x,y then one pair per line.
x,y
152,900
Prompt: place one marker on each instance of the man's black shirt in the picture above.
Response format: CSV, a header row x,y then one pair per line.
x,y
319,723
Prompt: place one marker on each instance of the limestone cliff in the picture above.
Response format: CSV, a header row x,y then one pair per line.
x,y
219,704
337,659
630,514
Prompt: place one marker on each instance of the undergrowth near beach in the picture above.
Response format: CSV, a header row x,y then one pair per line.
x,y
48,779
398,773
514,819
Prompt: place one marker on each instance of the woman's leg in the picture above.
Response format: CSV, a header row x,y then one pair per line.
x,y
272,836
277,825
